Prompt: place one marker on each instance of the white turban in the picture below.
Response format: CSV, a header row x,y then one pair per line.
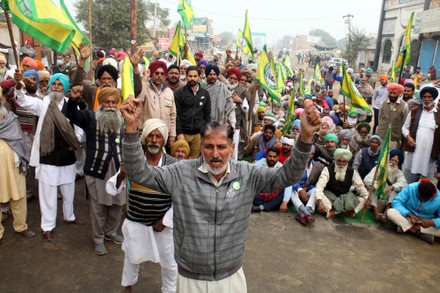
x,y
152,124
286,140
186,62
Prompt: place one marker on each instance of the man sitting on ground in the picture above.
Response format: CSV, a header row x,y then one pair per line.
x,y
416,210
333,190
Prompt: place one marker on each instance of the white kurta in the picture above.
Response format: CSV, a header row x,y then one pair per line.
x,y
419,161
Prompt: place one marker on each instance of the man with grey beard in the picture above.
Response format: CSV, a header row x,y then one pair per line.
x,y
104,132
333,190
53,151
150,220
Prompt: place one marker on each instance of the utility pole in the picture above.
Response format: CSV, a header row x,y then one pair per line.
x,y
133,26
348,22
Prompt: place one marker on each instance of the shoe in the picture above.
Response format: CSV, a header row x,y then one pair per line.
x,y
100,249
310,219
399,230
118,239
350,214
330,214
28,233
426,237
301,219
47,235
75,222
256,209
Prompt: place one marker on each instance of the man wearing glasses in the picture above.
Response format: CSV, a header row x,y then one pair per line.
x,y
158,99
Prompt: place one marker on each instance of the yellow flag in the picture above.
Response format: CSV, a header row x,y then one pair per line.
x,y
266,75
127,79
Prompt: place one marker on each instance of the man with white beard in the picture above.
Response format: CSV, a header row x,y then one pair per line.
x,y
53,151
104,133
333,190
148,228
395,183
3,67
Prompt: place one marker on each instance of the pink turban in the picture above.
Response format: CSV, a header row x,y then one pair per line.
x,y
329,121
298,111
395,87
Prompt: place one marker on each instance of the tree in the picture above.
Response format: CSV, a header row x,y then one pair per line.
x,y
282,43
226,38
111,21
357,41
327,39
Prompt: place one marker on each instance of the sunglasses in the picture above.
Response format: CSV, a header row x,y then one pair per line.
x,y
159,73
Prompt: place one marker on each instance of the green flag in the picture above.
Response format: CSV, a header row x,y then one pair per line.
x,y
383,165
350,91
405,53
247,36
186,12
266,76
290,114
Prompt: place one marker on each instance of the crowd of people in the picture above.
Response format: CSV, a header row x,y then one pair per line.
x,y
199,147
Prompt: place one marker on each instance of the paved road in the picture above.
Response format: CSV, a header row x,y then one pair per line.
x,y
281,256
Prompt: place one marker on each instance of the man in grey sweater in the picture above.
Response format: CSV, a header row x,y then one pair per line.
x,y
212,198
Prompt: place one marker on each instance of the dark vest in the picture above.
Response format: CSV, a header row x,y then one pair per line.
x,y
368,162
101,149
61,155
338,187
145,205
413,127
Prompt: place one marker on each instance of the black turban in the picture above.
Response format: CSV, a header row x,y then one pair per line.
x,y
110,70
429,89
399,154
212,67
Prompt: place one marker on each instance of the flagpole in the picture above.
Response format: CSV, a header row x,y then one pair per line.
x,y
401,66
370,190
11,35
91,77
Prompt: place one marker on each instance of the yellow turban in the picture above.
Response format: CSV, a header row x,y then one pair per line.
x,y
180,143
108,92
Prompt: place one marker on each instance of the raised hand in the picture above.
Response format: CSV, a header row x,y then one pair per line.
x,y
131,110
136,58
76,92
310,121
84,51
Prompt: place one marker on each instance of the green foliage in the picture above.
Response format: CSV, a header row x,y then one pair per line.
x,y
327,39
226,38
111,21
357,41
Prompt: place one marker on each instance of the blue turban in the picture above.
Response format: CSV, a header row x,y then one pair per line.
x,y
297,122
64,80
31,72
369,70
212,67
308,96
202,62
399,154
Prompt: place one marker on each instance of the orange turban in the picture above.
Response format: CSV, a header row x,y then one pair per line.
x,y
108,92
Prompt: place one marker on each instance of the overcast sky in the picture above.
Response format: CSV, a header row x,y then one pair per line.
x,y
277,18
285,17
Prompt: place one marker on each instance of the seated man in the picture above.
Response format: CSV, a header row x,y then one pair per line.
x,y
366,158
303,194
333,190
180,149
416,210
395,183
264,140
269,201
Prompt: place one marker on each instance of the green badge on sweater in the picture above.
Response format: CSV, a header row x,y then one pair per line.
x,y
236,185
117,140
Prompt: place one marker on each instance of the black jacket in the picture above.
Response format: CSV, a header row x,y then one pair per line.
x,y
193,109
